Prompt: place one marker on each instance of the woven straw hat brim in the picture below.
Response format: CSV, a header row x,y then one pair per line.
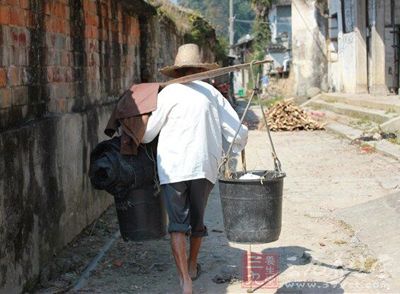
x,y
173,70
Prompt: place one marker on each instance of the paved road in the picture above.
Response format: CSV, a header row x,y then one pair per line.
x,y
317,251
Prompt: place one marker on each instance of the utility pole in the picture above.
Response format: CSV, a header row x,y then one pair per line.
x,y
231,55
231,29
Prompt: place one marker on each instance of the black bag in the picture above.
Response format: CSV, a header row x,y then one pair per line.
x,y
117,173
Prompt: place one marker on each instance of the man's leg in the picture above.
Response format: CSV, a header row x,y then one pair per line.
x,y
176,201
199,191
178,245
195,243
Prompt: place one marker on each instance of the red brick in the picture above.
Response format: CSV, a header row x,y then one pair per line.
x,y
30,19
19,95
92,20
14,36
49,74
135,30
61,25
17,16
91,32
118,12
120,28
67,28
22,38
13,75
65,58
5,98
89,6
57,76
12,2
103,35
104,10
60,10
24,4
48,23
69,75
3,77
62,105
48,7
4,14
57,25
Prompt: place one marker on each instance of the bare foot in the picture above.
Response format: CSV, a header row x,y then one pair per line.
x,y
187,286
180,282
192,268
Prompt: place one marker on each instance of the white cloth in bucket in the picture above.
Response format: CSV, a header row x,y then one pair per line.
x,y
249,176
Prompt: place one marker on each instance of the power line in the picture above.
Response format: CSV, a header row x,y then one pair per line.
x,y
248,21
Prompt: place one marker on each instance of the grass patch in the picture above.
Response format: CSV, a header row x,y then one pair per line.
x,y
362,123
349,229
331,100
390,110
271,101
395,140
339,242
367,264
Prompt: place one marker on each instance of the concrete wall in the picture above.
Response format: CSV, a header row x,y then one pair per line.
x,y
63,64
392,81
342,57
359,47
363,58
309,48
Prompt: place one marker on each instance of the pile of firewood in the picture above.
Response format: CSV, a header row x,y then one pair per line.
x,y
287,116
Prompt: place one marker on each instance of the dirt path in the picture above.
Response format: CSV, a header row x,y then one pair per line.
x,y
317,252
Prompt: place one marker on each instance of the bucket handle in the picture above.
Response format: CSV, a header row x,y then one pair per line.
x,y
256,92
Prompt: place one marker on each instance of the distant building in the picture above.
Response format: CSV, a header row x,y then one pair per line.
x,y
349,46
279,50
243,52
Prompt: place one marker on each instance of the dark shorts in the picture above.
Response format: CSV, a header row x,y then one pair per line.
x,y
185,203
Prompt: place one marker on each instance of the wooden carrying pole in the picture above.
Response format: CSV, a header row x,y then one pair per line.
x,y
211,73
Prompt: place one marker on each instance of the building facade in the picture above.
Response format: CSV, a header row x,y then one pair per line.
x,y
349,46
279,50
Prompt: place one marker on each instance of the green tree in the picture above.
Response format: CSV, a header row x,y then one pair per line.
x,y
217,13
261,29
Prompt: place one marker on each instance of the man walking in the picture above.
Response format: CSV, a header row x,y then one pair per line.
x,y
191,120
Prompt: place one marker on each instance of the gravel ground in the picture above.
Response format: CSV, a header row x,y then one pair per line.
x,y
317,252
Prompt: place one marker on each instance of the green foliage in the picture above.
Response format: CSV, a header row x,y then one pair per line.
x,y
194,27
221,51
261,29
262,36
201,30
217,12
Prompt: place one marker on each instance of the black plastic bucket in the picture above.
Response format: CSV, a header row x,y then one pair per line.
x,y
252,209
141,215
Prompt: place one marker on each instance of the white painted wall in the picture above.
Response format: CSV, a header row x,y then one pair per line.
x,y
309,48
342,67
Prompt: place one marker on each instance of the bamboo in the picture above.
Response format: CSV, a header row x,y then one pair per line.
x,y
211,73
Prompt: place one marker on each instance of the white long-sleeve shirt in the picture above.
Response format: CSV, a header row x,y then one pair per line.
x,y
191,120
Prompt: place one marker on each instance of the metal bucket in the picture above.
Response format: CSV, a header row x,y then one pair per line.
x,y
252,209
141,215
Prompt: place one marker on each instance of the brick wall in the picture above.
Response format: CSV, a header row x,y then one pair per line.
x,y
60,56
63,64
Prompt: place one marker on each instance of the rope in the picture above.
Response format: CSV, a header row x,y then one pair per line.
x,y
226,157
157,185
256,91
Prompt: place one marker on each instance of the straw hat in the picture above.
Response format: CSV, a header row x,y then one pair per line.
x,y
188,56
